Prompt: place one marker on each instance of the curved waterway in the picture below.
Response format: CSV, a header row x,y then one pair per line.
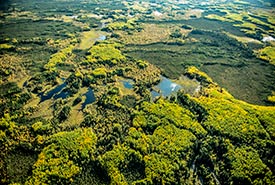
x,y
53,92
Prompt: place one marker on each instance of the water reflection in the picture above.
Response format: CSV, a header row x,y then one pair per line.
x,y
165,88
128,83
90,97
101,37
63,94
52,92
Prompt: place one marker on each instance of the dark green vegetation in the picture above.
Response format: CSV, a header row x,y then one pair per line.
x,y
227,61
77,83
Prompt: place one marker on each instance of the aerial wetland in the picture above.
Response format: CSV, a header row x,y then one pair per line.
x,y
137,92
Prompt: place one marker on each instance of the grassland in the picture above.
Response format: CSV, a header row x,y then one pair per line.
x,y
88,38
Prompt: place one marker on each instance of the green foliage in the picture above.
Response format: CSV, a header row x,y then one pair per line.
x,y
171,151
142,64
7,127
61,159
12,137
111,161
152,115
193,72
209,138
129,25
7,47
111,99
268,54
64,113
231,120
12,98
100,72
41,128
248,168
266,116
58,58
105,53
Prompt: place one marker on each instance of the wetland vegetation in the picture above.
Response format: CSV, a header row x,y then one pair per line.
x,y
137,92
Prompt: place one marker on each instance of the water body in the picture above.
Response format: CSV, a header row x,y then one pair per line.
x,y
90,97
229,64
165,88
101,37
52,92
62,94
128,83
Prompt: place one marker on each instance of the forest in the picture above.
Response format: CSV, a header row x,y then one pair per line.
x,y
137,92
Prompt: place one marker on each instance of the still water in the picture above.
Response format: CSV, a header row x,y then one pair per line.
x,y
165,88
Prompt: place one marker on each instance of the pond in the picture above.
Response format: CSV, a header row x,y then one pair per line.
x,y
101,37
53,93
165,88
62,94
128,84
232,66
90,97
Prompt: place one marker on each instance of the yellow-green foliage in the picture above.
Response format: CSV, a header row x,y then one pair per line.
x,y
235,16
58,58
268,54
235,119
266,116
6,46
12,135
193,72
40,128
259,22
59,160
229,17
112,161
105,53
130,24
100,72
142,64
161,145
246,25
6,126
162,112
246,165
271,98
170,149
217,17
112,98
148,75
171,153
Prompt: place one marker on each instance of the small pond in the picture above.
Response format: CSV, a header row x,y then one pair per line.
x,y
101,37
128,84
165,88
90,97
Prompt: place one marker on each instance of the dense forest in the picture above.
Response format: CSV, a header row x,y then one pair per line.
x,y
137,92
